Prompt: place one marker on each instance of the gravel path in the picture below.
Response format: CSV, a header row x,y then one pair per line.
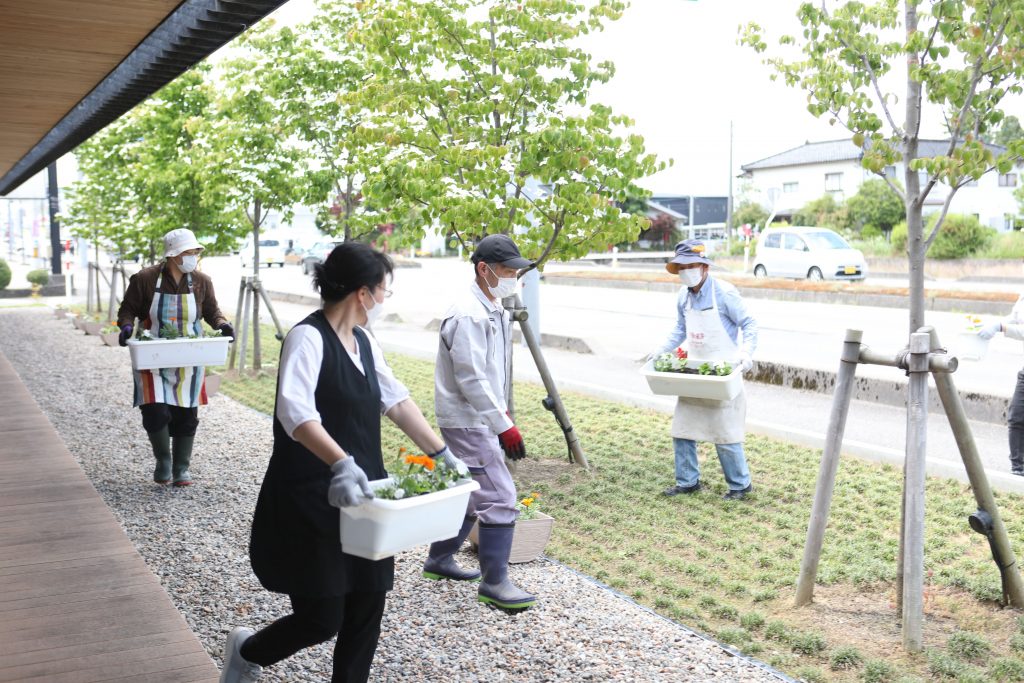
x,y
195,539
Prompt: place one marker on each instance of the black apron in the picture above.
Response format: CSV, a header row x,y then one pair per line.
x,y
295,547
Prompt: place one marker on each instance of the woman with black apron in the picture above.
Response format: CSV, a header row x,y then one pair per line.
x,y
333,387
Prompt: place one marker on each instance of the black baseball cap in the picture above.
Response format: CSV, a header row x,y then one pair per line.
x,y
499,249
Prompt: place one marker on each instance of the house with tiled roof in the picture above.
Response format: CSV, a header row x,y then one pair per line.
x,y
805,173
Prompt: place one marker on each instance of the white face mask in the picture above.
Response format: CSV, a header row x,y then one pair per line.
x,y
373,314
506,285
691,277
189,263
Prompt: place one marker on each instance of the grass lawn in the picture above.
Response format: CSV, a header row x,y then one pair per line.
x,y
728,568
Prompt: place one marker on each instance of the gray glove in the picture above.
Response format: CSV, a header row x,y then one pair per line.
x,y
446,456
349,485
990,330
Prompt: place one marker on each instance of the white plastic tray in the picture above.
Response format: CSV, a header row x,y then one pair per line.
x,y
381,528
715,387
178,353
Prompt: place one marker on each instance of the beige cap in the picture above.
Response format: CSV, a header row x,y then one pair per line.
x,y
179,240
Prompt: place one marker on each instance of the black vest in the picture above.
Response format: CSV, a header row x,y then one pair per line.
x,y
295,547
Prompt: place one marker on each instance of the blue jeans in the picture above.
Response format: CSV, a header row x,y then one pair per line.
x,y
730,455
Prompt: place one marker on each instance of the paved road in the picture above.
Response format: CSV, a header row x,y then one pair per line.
x,y
622,325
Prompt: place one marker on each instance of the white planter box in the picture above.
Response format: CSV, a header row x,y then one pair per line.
x,y
969,346
178,353
381,528
719,388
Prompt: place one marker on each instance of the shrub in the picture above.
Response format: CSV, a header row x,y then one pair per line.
x,y
1007,669
1017,642
898,238
732,636
807,643
5,274
752,620
776,630
811,674
877,671
944,665
969,646
1008,245
38,277
960,236
845,658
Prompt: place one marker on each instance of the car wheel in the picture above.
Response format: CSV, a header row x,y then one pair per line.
x,y
814,274
759,271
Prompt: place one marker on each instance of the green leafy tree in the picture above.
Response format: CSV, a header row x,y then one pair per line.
x,y
876,204
1010,131
307,71
484,119
751,213
252,155
965,56
823,212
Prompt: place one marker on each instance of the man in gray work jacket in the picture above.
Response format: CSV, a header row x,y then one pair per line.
x,y
474,362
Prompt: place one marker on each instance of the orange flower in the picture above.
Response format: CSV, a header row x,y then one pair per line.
x,y
424,461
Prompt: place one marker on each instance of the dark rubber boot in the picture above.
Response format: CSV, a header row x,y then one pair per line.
x,y
441,562
1017,450
496,589
161,442
182,451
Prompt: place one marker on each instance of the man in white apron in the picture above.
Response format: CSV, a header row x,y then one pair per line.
x,y
171,294
715,326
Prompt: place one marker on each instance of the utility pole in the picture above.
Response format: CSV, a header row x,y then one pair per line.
x,y
728,204
54,203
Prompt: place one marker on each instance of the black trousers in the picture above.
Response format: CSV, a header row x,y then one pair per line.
x,y
1015,421
354,618
179,421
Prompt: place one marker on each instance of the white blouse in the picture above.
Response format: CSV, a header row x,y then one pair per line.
x,y
301,357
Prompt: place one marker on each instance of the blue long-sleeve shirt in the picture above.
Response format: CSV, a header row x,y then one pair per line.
x,y
731,310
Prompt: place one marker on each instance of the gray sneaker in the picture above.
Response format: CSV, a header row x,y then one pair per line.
x,y
1019,472
684,490
236,668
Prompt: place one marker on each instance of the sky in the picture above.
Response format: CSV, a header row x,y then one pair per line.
x,y
681,76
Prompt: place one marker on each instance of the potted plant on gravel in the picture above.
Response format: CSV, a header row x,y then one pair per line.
x,y
175,350
423,503
110,333
532,533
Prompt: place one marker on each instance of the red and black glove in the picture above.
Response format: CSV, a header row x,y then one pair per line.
x,y
512,443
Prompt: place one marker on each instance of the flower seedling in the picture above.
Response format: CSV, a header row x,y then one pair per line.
x,y
422,475
527,507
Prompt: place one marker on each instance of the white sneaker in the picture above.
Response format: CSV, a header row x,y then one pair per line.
x,y
236,668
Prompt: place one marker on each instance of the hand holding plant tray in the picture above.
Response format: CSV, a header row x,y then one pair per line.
x,y
676,374
423,503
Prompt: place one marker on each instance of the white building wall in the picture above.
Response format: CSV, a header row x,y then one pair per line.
x,y
800,184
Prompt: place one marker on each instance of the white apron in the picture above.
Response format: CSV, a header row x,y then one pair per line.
x,y
702,419
182,387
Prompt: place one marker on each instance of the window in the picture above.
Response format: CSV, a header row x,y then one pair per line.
x,y
1009,221
833,182
790,187
1007,180
773,240
794,243
889,172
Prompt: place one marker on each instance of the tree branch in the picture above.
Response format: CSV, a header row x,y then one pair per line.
x,y
942,218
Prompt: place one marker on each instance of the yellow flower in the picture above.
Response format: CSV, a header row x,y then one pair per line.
x,y
527,502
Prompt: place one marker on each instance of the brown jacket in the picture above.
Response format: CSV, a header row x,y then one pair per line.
x,y
138,298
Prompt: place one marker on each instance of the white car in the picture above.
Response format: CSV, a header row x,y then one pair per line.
x,y
271,252
812,253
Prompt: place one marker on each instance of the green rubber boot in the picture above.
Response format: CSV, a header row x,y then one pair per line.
x,y
161,441
182,450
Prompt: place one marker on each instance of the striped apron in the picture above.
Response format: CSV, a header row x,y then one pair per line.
x,y
182,387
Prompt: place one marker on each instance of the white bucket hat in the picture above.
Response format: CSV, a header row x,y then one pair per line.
x,y
179,240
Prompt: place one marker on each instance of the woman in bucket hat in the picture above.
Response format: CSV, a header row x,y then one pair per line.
x,y
171,294
713,322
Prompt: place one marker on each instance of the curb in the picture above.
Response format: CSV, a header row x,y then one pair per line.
x,y
47,290
980,407
878,300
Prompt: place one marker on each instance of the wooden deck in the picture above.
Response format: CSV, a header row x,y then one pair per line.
x,y
77,603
